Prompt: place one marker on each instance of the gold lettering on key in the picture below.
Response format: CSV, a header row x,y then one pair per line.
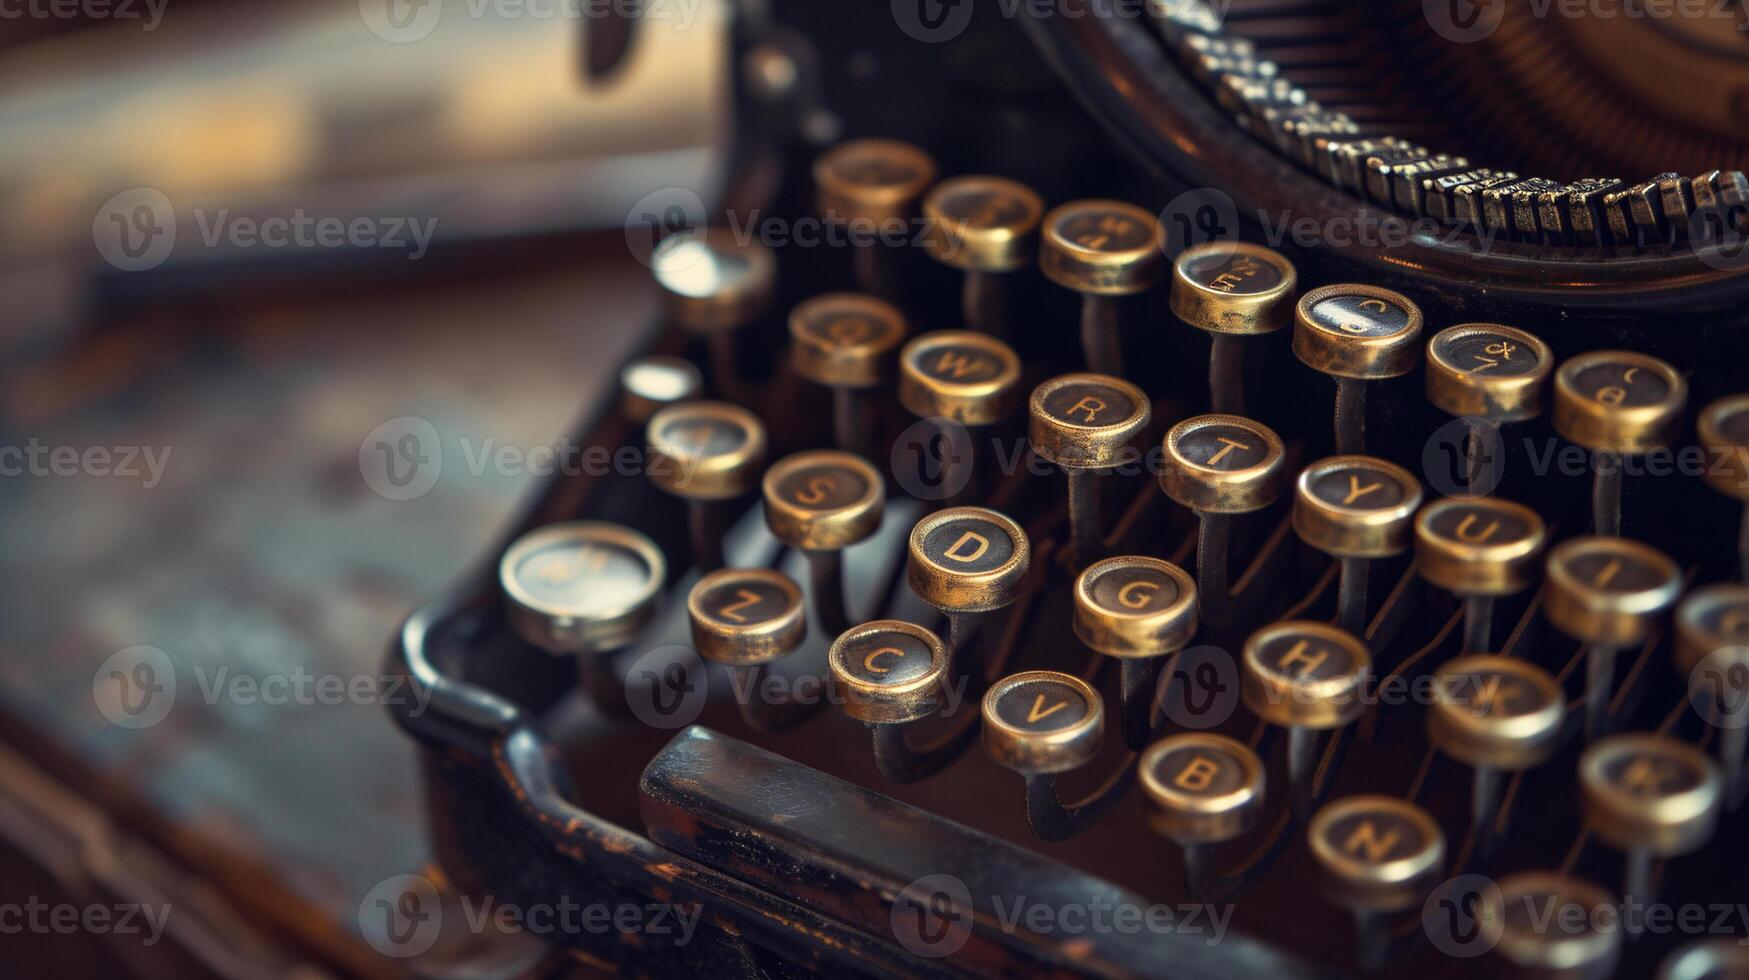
x,y
1039,712
868,662
1108,227
1491,696
982,545
1227,446
955,365
1734,622
1465,534
744,598
1298,655
815,491
1197,774
1366,837
1641,777
847,330
1375,305
1612,395
1088,404
1128,598
1607,575
1356,491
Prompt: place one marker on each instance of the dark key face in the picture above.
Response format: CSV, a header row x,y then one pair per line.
x,y
824,487
1643,772
745,602
957,363
1359,316
1726,621
1616,572
1359,487
1546,913
1375,835
1085,404
1039,706
702,437
1306,658
876,169
850,329
584,578
1477,523
886,658
1223,446
1237,274
1622,384
1487,355
1097,229
986,208
1496,694
968,544
1733,425
1132,590
1202,770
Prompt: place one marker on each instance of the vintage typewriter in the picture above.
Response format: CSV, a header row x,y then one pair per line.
x,y
1148,489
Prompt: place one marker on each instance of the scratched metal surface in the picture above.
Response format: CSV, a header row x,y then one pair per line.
x,y
260,550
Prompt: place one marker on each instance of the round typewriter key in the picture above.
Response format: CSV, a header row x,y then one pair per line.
x,y
1724,436
1379,855
716,283
847,342
1356,334
1219,465
1231,289
1712,655
1616,403
1479,548
581,586
963,377
888,672
746,616
1554,924
872,186
985,226
1042,721
1307,677
1606,593
1355,508
1139,610
967,560
821,502
1102,250
1202,789
1496,714
706,452
1713,959
1649,795
1085,423
1488,375
650,384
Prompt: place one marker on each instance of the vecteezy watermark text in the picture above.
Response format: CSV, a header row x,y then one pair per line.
x,y
35,458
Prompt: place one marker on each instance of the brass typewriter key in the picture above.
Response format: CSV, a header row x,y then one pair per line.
x,y
715,284
823,501
1040,723
1355,508
1497,714
1232,290
1489,375
1478,548
1218,466
1202,788
1102,250
1552,924
1651,796
1085,423
1712,655
1308,678
888,674
988,227
1138,610
847,342
1616,403
1712,959
871,187
746,618
706,452
967,561
1724,435
584,588
964,377
1356,334
1606,593
650,384
1378,855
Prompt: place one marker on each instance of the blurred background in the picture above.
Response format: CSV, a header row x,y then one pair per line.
x,y
241,238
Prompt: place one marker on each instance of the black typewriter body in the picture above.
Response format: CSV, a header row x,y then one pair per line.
x,y
802,855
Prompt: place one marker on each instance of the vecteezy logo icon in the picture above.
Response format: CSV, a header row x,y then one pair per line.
x,y
1199,216
402,458
932,459
1719,235
667,687
1464,21
1718,687
932,21
135,230
1446,458
661,215
932,916
1200,690
1455,917
135,688
402,916
401,21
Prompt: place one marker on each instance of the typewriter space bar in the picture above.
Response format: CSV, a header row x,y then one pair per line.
x,y
854,854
